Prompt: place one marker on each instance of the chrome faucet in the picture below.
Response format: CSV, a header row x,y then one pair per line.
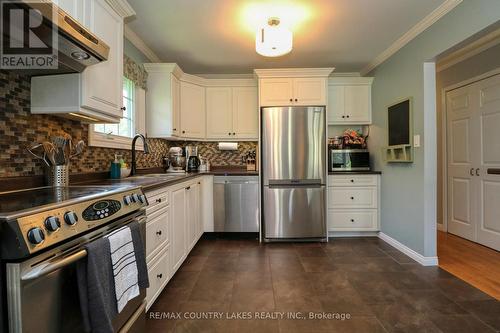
x,y
146,151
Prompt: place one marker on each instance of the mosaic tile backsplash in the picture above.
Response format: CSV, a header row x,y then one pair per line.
x,y
19,128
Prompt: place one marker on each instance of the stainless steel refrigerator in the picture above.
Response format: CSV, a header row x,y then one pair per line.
x,y
293,146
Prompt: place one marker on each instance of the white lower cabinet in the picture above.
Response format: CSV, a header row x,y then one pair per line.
x,y
353,203
174,226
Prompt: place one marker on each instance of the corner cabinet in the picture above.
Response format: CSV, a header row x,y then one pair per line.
x,y
353,203
95,95
293,87
349,101
192,111
163,100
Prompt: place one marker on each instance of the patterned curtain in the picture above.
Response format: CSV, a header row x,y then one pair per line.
x,y
134,72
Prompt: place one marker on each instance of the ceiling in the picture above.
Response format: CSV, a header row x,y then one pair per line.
x,y
218,36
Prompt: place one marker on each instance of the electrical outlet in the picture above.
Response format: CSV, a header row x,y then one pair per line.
x,y
416,141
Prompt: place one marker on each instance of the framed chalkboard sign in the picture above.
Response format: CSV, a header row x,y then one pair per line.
x,y
400,131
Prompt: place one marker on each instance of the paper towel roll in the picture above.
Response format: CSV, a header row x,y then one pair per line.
x,y
228,145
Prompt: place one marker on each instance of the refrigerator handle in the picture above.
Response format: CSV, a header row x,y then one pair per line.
x,y
295,183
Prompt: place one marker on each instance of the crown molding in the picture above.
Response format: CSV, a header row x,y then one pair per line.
x,y
227,76
293,72
345,74
122,7
164,67
468,51
350,81
416,30
140,45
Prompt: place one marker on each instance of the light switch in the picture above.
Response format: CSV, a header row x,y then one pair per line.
x,y
416,141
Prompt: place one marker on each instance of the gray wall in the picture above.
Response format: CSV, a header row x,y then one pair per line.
x,y
408,191
132,52
481,63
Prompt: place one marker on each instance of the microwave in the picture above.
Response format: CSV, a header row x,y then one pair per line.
x,y
348,160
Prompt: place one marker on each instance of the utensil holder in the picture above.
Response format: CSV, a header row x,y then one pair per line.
x,y
57,175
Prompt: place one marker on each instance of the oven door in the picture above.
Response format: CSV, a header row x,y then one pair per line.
x,y
42,293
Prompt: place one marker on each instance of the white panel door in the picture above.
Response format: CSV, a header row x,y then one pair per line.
x,y
176,104
309,91
102,83
462,129
488,226
358,104
192,111
245,113
336,104
178,234
276,92
219,113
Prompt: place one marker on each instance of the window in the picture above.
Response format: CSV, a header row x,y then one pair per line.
x,y
120,135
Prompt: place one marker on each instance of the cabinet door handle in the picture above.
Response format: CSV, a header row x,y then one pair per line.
x,y
291,99
188,188
352,198
477,172
471,171
183,132
158,200
352,180
123,108
158,232
234,133
352,220
199,183
159,276
296,100
343,116
347,116
174,129
229,133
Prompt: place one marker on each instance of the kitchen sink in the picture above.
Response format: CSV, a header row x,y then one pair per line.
x,y
162,175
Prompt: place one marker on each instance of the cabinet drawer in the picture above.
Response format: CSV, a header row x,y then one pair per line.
x,y
352,180
352,197
352,220
157,232
158,276
156,200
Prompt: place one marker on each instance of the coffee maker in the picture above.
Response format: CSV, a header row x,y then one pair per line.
x,y
193,161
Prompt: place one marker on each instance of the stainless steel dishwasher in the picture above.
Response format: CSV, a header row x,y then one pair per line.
x,y
236,203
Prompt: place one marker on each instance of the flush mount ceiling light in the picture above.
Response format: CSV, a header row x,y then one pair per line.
x,y
273,40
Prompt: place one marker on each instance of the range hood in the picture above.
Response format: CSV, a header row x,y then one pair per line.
x,y
77,47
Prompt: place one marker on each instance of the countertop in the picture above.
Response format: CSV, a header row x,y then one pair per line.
x,y
360,172
150,181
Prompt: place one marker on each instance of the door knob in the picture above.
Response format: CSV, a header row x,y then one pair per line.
x,y
477,172
471,171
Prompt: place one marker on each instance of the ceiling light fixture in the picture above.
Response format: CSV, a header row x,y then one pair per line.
x,y
273,40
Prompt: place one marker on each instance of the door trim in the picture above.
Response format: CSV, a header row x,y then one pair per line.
x,y
444,140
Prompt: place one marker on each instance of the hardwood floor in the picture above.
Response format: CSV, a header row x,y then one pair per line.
x,y
471,262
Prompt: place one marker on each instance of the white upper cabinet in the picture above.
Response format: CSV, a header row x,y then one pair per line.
x,y
95,95
181,105
232,113
350,101
245,113
192,114
276,92
219,113
283,87
163,100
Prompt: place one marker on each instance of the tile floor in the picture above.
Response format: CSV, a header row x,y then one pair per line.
x,y
379,287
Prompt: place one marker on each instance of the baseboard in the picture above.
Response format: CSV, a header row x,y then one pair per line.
x,y
424,261
337,234
441,227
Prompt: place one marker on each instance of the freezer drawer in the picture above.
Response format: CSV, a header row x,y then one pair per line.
x,y
236,204
294,212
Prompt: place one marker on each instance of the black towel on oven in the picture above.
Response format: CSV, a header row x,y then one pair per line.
x,y
96,282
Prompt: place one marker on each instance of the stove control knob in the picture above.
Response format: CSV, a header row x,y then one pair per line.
x,y
142,198
52,223
36,236
70,218
135,197
127,200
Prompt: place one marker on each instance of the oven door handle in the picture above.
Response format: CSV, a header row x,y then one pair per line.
x,y
50,267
